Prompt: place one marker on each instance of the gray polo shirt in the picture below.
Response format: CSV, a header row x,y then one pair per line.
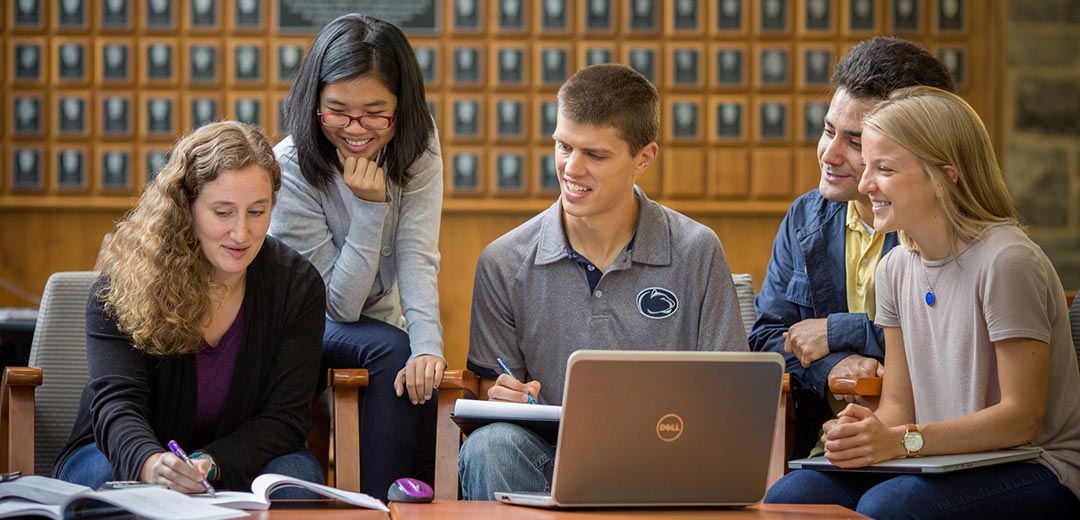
x,y
532,305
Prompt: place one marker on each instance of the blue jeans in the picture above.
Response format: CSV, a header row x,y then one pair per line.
x,y
89,467
1015,490
397,439
504,457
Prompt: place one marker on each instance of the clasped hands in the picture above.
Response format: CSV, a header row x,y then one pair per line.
x,y
857,438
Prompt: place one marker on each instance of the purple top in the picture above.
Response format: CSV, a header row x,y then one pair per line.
x,y
214,369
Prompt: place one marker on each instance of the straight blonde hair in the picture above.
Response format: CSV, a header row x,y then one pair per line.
x,y
941,129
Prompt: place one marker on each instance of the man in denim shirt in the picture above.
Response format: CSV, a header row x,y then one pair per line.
x,y
816,304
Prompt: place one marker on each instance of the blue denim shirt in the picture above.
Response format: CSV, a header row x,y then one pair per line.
x,y
806,279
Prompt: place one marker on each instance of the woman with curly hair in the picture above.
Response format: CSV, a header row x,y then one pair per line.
x,y
361,197
201,329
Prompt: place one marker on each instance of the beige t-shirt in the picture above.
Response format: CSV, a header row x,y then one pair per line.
x,y
1002,287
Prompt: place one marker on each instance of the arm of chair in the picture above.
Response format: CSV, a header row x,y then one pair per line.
x,y
346,384
17,418
456,384
862,386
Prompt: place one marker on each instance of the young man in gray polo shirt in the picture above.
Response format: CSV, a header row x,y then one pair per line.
x,y
602,268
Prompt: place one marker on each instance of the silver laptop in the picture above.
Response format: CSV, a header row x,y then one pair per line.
x,y
931,464
663,429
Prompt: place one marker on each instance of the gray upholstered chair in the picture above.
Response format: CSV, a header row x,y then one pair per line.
x,y
38,403
59,347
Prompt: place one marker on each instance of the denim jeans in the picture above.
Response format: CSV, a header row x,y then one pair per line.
x,y
504,457
87,466
1015,490
397,439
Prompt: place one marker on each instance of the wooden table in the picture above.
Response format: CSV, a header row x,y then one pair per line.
x,y
495,510
316,510
330,510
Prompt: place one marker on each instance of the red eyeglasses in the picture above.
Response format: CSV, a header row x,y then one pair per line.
x,y
369,121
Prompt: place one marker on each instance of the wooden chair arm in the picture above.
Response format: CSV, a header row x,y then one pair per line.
x,y
456,384
17,389
347,377
346,384
864,386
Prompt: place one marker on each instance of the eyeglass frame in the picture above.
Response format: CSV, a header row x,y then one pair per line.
x,y
359,120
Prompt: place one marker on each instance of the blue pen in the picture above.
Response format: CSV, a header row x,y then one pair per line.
x,y
179,452
511,374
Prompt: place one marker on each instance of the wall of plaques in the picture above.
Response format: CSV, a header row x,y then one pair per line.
x,y
95,91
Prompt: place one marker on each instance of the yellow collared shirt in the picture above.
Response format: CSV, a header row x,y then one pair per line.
x,y
862,252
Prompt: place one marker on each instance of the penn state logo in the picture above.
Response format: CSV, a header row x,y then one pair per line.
x,y
669,428
657,303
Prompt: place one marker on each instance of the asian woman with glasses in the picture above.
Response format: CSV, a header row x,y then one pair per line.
x,y
361,198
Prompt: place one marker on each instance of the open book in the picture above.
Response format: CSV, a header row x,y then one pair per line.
x,y
267,483
543,419
42,496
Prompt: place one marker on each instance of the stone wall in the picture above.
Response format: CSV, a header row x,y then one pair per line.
x,y
1042,125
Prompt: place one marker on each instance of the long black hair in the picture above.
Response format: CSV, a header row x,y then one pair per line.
x,y
353,46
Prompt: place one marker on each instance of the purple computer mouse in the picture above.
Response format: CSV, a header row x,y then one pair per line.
x,y
410,490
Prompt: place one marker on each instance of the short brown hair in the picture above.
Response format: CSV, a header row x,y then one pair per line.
x,y
616,96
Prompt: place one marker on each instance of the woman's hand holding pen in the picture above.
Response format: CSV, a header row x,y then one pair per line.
x,y
170,471
420,376
857,438
364,178
507,388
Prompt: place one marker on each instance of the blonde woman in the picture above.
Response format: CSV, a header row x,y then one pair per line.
x,y
201,329
977,334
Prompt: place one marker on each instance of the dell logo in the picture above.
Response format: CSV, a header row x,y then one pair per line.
x,y
669,428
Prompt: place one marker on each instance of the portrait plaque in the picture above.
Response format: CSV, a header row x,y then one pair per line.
x,y
26,169
466,176
70,169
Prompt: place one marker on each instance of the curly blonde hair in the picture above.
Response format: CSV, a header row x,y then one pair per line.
x,y
159,281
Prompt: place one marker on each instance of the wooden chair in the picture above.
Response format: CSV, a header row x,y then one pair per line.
x,y
463,384
38,403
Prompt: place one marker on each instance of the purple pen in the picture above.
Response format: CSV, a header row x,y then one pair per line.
x,y
179,452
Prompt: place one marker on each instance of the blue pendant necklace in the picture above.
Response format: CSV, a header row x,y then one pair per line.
x,y
930,298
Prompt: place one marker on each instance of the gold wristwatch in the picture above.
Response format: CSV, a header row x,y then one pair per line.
x,y
912,441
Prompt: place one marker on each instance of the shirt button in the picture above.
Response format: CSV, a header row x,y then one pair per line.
x,y
599,293
386,251
592,268
864,262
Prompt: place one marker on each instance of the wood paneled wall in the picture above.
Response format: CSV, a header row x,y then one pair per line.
x,y
740,83
34,243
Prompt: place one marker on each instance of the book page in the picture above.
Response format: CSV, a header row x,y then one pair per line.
x,y
501,410
154,502
235,500
14,507
43,490
265,484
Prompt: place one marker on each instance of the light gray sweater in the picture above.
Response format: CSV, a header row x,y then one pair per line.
x,y
379,260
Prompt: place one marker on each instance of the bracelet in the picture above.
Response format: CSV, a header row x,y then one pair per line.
x,y
213,474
